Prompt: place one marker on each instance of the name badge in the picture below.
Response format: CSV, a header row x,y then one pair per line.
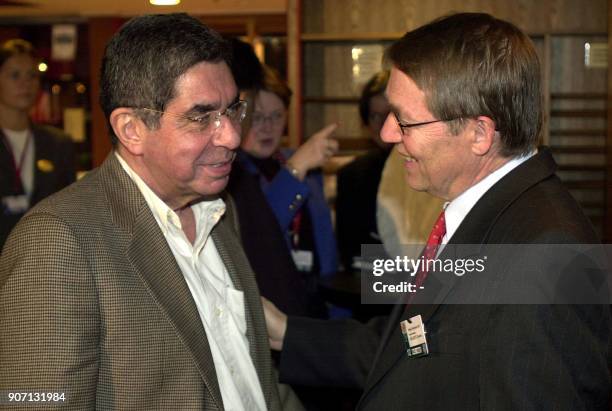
x,y
303,259
16,204
413,333
44,165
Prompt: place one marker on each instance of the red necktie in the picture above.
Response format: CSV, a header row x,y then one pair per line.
x,y
431,248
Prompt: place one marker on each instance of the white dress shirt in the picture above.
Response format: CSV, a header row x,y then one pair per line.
x,y
220,305
17,141
456,210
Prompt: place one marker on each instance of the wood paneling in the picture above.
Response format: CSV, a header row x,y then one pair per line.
x,y
248,25
294,69
100,31
608,197
535,17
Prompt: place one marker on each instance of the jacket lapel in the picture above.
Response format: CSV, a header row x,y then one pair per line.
x,y
156,267
41,180
467,241
7,172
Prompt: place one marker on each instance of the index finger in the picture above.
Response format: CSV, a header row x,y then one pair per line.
x,y
328,130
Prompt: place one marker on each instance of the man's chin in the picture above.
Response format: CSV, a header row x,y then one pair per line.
x,y
413,183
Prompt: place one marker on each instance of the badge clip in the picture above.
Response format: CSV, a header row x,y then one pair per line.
x,y
413,334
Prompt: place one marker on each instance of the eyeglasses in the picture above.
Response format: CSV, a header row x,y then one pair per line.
x,y
211,121
402,125
275,118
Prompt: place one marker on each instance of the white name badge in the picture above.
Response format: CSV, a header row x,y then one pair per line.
x,y
303,259
413,333
16,204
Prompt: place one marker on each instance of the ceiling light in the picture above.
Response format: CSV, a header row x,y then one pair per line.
x,y
164,2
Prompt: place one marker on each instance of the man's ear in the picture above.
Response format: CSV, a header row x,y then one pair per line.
x,y
484,135
129,129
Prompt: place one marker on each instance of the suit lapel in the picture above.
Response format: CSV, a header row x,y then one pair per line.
x,y
467,241
40,151
7,172
44,183
44,180
156,267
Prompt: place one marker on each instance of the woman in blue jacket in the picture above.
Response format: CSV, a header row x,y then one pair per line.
x,y
291,180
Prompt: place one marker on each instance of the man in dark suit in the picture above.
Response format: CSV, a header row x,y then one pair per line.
x,y
466,116
129,289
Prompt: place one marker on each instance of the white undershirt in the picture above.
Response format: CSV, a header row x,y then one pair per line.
x,y
17,140
456,210
220,305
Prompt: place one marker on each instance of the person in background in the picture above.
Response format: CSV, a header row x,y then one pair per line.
x,y
130,289
292,184
35,160
261,235
358,181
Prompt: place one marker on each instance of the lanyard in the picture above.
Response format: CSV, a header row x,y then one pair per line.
x,y
295,229
17,166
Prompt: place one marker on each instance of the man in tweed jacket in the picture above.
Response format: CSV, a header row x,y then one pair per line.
x,y
129,289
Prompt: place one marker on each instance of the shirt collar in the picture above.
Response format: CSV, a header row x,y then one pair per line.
x,y
456,210
208,212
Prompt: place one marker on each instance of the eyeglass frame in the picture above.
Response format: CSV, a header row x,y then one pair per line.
x,y
403,125
282,117
215,115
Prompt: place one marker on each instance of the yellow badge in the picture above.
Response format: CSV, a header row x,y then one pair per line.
x,y
46,166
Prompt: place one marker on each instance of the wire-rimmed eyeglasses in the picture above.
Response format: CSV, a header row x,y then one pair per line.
x,y
403,125
276,118
211,121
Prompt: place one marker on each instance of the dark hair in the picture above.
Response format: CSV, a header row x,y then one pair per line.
x,y
16,47
246,67
472,64
375,86
273,82
143,61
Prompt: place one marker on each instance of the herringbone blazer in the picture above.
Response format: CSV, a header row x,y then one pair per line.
x,y
94,305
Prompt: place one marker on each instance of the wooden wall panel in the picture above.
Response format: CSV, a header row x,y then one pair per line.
x,y
546,16
346,115
569,74
294,69
100,31
608,152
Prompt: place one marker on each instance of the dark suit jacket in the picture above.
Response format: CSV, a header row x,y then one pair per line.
x,y
93,304
490,357
264,244
357,190
50,144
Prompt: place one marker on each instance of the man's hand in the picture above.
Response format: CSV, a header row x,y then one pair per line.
x,y
315,151
276,322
